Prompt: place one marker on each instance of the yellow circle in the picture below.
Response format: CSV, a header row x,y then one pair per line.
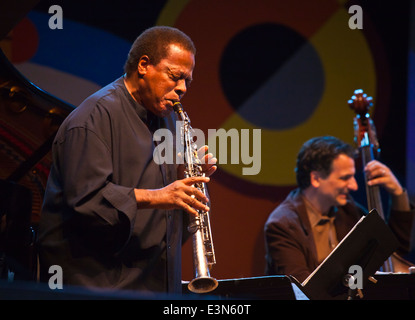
x,y
347,64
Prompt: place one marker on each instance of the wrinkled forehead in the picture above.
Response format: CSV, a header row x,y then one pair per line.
x,y
179,60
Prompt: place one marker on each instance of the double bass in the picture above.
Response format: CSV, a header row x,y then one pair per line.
x,y
366,140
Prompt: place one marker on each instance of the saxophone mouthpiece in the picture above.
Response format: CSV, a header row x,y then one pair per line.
x,y
177,107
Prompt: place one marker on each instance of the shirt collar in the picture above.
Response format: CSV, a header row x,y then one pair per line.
x,y
150,119
315,216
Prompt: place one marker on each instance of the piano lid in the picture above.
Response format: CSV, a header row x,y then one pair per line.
x,y
29,117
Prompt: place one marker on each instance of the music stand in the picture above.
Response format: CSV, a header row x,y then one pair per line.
x,y
368,245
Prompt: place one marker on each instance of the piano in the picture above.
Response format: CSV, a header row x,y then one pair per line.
x,y
29,119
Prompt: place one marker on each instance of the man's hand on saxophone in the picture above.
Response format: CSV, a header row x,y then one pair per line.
x,y
207,160
181,194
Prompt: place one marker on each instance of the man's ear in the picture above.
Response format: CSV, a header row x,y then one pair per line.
x,y
142,65
315,179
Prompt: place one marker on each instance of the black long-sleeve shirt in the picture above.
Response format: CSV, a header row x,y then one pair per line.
x,y
90,223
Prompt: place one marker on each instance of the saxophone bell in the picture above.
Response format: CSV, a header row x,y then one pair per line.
x,y
202,284
203,255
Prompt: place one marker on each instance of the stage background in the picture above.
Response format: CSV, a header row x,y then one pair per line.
x,y
285,67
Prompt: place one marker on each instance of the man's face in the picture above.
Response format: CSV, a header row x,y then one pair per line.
x,y
334,189
168,81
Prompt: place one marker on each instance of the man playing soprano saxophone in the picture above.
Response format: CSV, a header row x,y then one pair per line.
x,y
112,217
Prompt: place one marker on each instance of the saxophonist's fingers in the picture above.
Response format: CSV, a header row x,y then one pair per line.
x,y
192,180
189,209
210,170
193,192
201,152
195,205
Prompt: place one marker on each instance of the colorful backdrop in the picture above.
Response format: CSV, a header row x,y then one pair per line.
x,y
285,67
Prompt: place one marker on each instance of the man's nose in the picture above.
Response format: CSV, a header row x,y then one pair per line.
x,y
181,88
353,184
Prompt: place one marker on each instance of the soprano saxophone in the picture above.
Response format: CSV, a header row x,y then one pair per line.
x,y
199,226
